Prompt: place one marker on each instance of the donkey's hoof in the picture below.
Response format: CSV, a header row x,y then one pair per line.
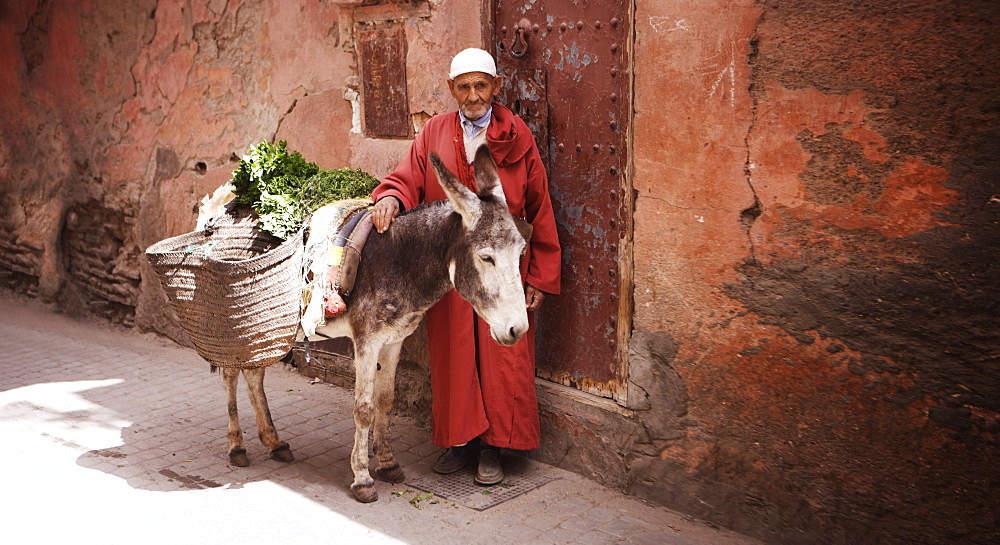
x,y
392,474
238,457
365,493
283,453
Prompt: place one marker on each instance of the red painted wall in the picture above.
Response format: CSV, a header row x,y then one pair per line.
x,y
816,230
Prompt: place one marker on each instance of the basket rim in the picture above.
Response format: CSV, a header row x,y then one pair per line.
x,y
169,250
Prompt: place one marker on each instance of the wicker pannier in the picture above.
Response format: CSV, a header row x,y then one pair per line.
x,y
235,289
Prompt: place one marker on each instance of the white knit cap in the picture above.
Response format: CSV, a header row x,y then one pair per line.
x,y
472,60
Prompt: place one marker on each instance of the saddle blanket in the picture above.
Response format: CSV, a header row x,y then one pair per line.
x,y
337,233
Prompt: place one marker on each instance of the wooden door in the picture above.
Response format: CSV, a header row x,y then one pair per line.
x,y
566,70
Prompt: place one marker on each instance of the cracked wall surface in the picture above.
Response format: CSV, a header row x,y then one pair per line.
x,y
814,247
117,120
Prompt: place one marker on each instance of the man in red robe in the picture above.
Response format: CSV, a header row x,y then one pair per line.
x,y
480,389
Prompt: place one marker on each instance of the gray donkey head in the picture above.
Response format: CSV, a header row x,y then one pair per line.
x,y
484,264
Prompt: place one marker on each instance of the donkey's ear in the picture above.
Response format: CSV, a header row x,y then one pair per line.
x,y
524,228
462,199
487,179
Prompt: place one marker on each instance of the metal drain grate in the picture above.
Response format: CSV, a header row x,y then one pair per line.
x,y
521,476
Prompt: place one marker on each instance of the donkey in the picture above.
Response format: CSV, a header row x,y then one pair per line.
x,y
471,243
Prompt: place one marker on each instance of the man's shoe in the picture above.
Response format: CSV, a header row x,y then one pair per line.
x,y
451,460
489,471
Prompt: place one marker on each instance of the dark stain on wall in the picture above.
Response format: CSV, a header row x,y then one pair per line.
x,y
33,38
915,306
838,172
929,300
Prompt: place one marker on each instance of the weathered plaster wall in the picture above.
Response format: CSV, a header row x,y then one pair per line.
x,y
816,298
118,117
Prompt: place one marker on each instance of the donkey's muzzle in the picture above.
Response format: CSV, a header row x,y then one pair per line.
x,y
510,334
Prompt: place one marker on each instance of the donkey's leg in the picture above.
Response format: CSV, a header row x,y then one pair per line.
x,y
365,362
280,450
388,469
237,454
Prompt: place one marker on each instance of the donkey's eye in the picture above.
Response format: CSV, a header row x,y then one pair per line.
x,y
488,259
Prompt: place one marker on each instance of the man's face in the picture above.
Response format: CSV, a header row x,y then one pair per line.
x,y
474,92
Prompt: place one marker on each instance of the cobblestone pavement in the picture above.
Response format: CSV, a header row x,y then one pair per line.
x,y
110,436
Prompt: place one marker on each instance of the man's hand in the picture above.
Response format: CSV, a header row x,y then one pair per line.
x,y
533,297
385,212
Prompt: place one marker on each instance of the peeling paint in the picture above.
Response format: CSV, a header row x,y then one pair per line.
x,y
667,24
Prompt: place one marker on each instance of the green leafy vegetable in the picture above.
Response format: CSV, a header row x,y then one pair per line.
x,y
282,187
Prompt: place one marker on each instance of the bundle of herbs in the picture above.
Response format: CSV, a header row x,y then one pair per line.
x,y
283,188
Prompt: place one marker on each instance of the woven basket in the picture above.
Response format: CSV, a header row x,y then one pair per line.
x,y
235,289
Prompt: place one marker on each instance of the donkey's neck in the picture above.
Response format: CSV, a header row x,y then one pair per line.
x,y
407,266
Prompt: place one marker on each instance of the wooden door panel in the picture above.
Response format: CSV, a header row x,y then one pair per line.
x,y
566,69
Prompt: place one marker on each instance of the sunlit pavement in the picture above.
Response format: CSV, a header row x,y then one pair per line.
x,y
114,437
